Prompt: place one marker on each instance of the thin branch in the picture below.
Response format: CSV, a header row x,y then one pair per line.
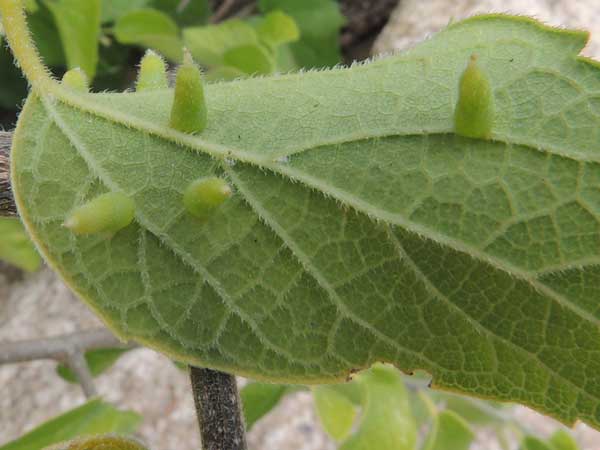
x,y
218,409
80,368
7,202
60,348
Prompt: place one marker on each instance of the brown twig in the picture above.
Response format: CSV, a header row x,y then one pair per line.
x,y
67,348
77,363
58,348
7,202
218,409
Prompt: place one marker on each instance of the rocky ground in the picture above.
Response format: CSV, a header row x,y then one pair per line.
x,y
40,305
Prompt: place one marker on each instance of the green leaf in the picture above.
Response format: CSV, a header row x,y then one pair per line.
x,y
563,440
278,28
209,44
319,22
533,443
94,417
336,411
78,24
449,431
150,28
114,9
15,246
98,361
13,88
31,6
260,398
475,411
360,228
108,442
387,422
250,59
193,12
223,73
46,36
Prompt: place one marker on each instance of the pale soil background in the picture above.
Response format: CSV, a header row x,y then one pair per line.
x,y
40,305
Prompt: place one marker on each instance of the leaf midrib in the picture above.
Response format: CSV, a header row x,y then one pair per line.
x,y
222,153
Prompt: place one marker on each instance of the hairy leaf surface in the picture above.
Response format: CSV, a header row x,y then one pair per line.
x,y
361,229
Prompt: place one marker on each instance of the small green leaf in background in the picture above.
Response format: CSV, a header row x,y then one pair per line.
x,y
449,432
223,73
100,443
260,398
46,36
250,59
150,28
15,246
278,28
97,360
93,417
387,422
209,44
78,24
532,443
474,410
335,410
563,440
31,6
193,12
13,87
114,9
319,22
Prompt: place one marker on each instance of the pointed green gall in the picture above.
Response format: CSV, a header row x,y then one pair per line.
x,y
188,113
76,79
106,213
152,74
202,197
474,114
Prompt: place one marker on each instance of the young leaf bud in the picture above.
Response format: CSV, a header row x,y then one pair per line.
x,y
106,213
202,197
188,113
474,114
152,74
76,79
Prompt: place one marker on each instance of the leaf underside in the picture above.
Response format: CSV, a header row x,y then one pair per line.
x,y
361,228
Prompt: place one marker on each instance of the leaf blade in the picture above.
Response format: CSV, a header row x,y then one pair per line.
x,y
92,417
331,260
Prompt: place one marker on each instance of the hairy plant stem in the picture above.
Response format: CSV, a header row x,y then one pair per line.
x,y
218,409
